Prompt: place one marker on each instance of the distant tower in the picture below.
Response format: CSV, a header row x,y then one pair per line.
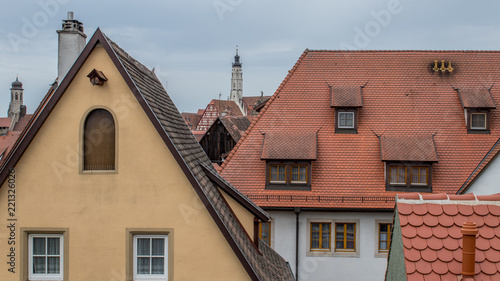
x,y
16,107
237,82
71,43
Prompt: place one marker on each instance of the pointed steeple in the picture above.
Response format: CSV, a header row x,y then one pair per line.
x,y
237,82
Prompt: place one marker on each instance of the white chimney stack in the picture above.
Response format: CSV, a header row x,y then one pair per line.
x,y
72,40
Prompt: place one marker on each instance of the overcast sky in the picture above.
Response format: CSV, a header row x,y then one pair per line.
x,y
192,43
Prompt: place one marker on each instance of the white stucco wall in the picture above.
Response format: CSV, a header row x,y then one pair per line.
x,y
365,267
489,181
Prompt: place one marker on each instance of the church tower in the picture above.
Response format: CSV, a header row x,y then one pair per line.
x,y
16,107
237,83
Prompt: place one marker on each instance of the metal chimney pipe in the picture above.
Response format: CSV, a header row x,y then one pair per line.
x,y
469,232
70,15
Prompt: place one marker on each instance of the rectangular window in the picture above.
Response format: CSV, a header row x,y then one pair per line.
x,y
150,257
478,121
419,175
320,236
398,174
277,173
299,174
265,232
384,237
345,234
45,256
346,120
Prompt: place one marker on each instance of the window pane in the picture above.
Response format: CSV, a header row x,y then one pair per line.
x,y
158,247
315,244
383,236
383,245
38,265
53,265
350,227
142,265
325,244
350,245
281,173
315,227
158,266
274,173
52,246
302,173
38,246
383,228
401,172
394,174
339,244
315,235
143,246
478,120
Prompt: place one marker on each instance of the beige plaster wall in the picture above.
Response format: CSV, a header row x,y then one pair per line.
x,y
147,191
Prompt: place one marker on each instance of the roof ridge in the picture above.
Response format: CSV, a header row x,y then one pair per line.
x,y
263,110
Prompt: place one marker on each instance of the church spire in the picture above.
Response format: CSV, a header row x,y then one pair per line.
x,y
237,82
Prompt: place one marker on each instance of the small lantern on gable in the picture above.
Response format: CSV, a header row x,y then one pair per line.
x,y
97,77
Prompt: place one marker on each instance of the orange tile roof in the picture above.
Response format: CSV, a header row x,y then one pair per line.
x,y
300,146
5,122
402,95
408,148
432,239
346,96
6,143
476,97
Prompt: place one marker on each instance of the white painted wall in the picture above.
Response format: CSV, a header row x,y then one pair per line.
x,y
365,267
489,181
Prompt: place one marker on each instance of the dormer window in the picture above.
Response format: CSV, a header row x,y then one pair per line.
x,y
346,100
408,162
477,103
288,160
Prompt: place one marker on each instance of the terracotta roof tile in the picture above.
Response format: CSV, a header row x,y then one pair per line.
x,y
5,122
416,102
477,97
435,253
408,148
282,146
346,96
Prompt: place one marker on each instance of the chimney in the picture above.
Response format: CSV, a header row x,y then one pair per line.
x,y
469,232
72,40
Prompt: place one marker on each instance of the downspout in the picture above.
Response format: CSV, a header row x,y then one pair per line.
x,y
297,214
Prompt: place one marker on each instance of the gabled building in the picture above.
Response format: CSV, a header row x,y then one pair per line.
x,y
222,136
107,182
215,109
443,237
348,130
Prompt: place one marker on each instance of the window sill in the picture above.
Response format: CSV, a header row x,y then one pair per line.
x,y
478,131
382,254
98,172
291,186
411,188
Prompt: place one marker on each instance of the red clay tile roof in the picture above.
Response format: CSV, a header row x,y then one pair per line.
x,y
22,122
476,97
285,146
408,148
346,96
402,96
192,119
432,239
6,143
5,122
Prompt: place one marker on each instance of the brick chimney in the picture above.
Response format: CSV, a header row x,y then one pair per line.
x,y
72,40
469,232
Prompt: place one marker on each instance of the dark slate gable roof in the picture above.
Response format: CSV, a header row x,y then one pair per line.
x,y
260,265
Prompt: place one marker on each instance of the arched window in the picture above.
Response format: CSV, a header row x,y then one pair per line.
x,y
16,96
99,141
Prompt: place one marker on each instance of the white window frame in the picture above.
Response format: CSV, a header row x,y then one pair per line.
x,y
33,276
346,127
485,120
143,277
